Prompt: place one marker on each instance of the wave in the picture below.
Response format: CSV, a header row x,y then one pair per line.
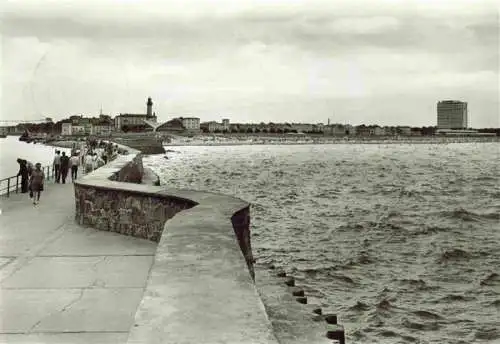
x,y
359,307
392,334
421,326
462,214
388,333
384,305
363,258
489,333
416,284
486,179
427,315
456,298
454,255
495,303
470,216
343,278
491,279
432,229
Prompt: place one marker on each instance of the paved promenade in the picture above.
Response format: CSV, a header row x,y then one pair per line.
x,y
62,283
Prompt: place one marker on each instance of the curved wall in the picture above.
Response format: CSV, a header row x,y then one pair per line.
x,y
200,288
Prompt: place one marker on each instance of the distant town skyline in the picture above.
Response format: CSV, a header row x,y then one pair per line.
x,y
356,62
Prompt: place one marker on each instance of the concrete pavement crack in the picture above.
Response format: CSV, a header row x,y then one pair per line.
x,y
98,281
63,309
68,306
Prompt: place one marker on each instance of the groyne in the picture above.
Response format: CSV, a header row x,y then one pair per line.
x,y
147,144
200,288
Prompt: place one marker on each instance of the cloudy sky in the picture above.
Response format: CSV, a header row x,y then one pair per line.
x,y
384,61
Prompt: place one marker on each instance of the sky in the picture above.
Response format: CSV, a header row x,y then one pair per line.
x,y
383,62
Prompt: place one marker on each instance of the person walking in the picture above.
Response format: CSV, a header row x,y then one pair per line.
x,y
75,163
30,167
56,166
36,182
23,172
99,161
89,163
64,167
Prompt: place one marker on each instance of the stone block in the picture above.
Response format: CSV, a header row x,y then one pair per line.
x,y
281,273
290,281
331,319
296,291
336,332
302,300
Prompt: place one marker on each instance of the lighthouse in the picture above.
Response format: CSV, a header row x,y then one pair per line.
x,y
149,104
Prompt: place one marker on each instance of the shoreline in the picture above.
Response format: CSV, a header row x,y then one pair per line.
x,y
328,142
225,141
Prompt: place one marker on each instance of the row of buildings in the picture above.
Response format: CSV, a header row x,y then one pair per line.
x,y
126,123
451,116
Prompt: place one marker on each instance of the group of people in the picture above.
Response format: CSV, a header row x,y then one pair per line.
x,y
33,177
62,164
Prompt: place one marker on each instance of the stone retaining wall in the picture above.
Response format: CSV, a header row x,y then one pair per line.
x,y
241,226
126,212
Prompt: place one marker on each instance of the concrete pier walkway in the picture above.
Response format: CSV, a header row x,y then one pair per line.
x,y
62,283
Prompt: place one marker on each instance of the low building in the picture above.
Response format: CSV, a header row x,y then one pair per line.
x,y
102,129
377,131
335,130
302,127
363,130
391,131
135,122
124,120
318,128
404,130
67,129
191,123
416,132
77,130
212,127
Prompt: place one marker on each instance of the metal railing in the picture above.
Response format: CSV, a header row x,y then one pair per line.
x,y
13,184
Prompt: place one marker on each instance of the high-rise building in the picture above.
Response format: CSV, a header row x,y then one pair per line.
x,y
452,114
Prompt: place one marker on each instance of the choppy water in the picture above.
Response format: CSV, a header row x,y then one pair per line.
x,y
401,241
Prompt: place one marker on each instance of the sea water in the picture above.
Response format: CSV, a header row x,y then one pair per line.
x,y
401,241
11,149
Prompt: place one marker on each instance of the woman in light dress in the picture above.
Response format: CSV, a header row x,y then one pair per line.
x,y
36,182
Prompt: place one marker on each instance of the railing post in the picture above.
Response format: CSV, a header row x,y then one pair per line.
x,y
8,187
17,184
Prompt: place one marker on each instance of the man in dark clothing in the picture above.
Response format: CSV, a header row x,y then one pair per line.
x,y
23,172
64,167
56,167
